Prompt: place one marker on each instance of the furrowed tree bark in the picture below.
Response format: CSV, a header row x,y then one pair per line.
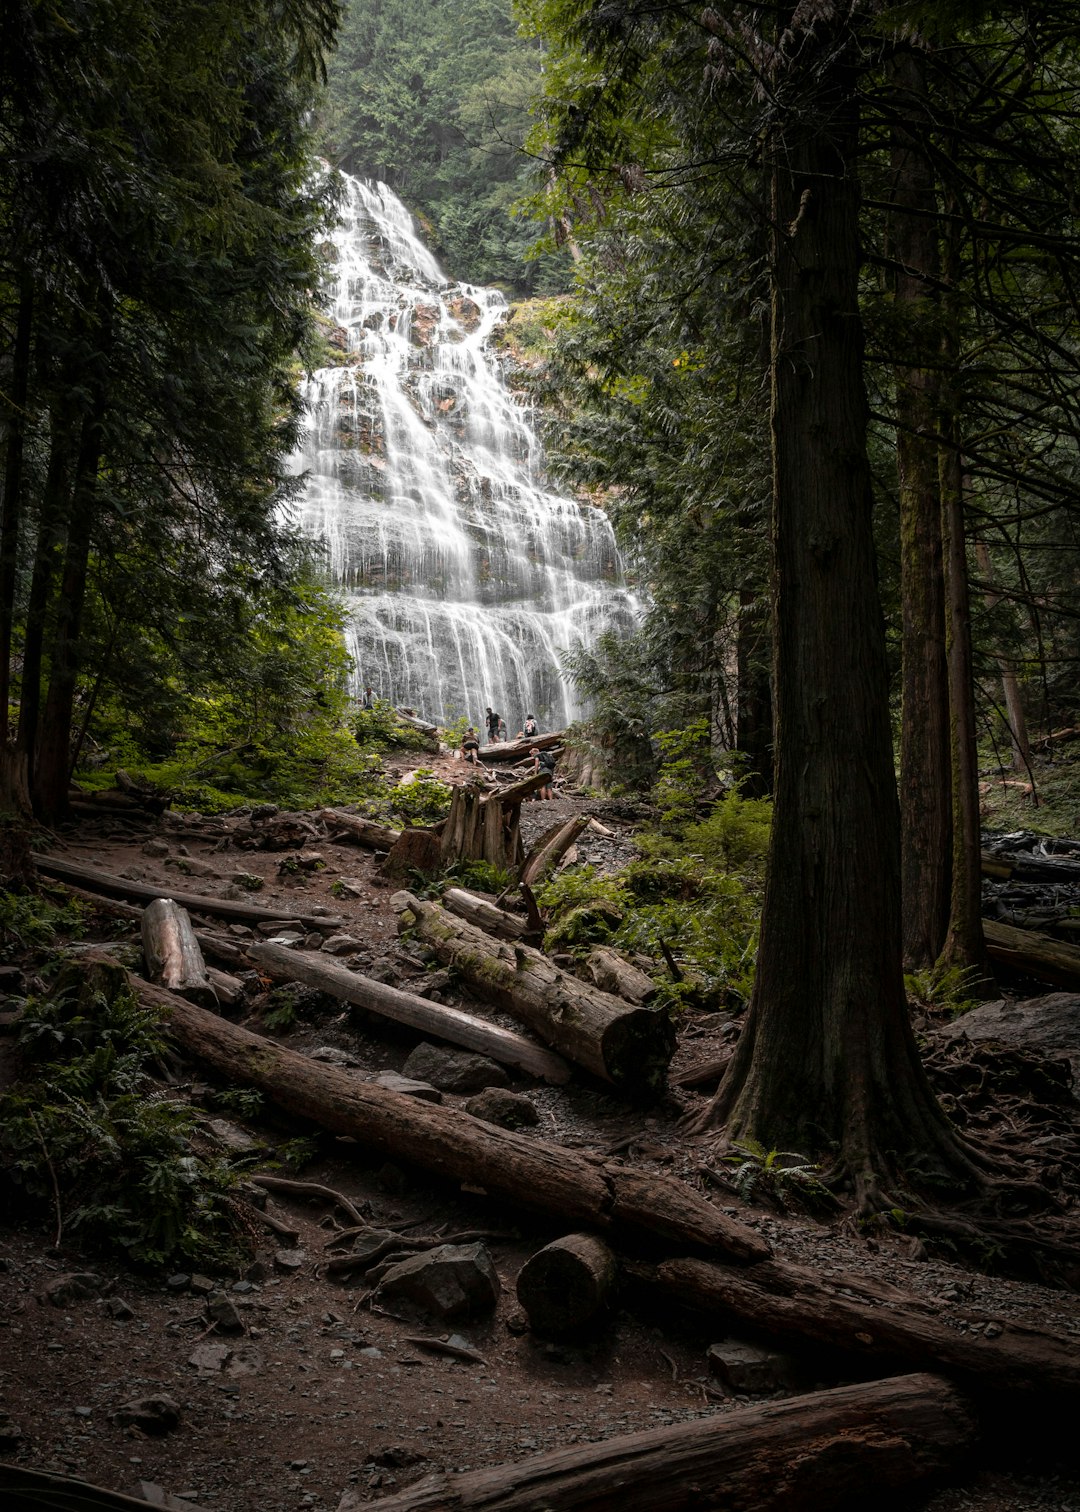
x,y
827,1060
363,831
627,1045
444,1023
828,1449
878,1322
247,913
511,1166
567,1285
172,952
486,826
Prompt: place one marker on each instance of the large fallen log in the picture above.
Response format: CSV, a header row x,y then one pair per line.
x,y
486,915
829,1449
1037,955
512,1166
626,1044
873,1320
444,1023
172,952
546,857
211,945
614,973
364,831
517,750
94,880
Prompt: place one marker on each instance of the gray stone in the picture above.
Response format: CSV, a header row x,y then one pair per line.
x,y
244,1360
202,1286
156,848
453,1070
422,1091
75,1286
221,1310
332,1055
157,1496
209,1359
249,881
178,1282
192,866
453,1281
11,1434
278,926
119,1309
342,944
287,937
153,1414
750,1370
347,887
233,1137
510,1110
1050,1024
289,1261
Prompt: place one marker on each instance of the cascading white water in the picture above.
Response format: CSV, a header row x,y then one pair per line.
x,y
464,574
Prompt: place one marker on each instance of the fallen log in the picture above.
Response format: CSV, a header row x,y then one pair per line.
x,y
94,880
226,989
1037,955
210,944
828,1449
629,1046
614,973
873,1320
172,952
364,831
514,1167
485,914
517,750
1026,868
450,1024
567,1285
543,861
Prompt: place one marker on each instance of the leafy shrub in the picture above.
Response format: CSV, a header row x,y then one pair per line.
x,y
380,729
779,1176
85,1130
423,799
30,922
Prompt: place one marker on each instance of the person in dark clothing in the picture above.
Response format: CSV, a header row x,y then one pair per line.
x,y
544,763
530,727
470,746
368,700
495,727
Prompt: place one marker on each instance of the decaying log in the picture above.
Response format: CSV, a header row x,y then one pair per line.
x,y
486,825
546,857
364,831
225,988
830,1449
511,1166
614,973
874,1320
485,914
706,1073
627,1045
246,913
172,952
1037,955
517,750
211,945
567,1284
1026,868
444,1023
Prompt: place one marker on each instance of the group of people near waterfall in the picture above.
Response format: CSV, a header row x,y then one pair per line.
x,y
543,761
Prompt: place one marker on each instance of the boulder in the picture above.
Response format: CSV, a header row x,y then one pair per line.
x,y
453,1281
453,1070
74,1286
750,1370
1047,1025
422,1091
152,1414
510,1110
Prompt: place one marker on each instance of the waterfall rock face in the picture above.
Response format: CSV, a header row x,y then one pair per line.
x,y
463,572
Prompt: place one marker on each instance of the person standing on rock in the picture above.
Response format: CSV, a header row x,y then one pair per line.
x,y
495,727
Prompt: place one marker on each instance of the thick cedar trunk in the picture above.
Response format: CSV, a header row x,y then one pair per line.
x,y
120,887
876,1321
627,1045
827,1060
172,952
754,721
567,1285
449,1024
515,1167
925,794
831,1449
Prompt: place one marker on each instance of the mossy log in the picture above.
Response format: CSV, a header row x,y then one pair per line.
x,y
628,1045
1037,955
829,1449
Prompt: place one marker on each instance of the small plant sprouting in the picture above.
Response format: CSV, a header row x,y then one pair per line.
x,y
782,1177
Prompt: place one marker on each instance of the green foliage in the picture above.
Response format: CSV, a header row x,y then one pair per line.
x,y
423,799
380,729
242,1102
952,989
477,876
31,922
787,1180
85,1131
685,769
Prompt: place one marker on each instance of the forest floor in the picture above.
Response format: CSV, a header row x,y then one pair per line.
x,y
322,1404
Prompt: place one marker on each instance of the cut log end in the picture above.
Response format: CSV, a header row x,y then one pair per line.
x,y
637,1048
567,1285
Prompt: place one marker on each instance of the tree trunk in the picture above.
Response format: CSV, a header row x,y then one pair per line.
x,y
16,403
414,850
485,914
754,717
441,1022
827,1060
630,1047
833,1449
512,1167
1010,683
1033,954
486,826
925,795
542,861
613,973
567,1285
363,831
172,952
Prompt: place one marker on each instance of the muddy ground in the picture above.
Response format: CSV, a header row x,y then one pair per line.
x,y
321,1401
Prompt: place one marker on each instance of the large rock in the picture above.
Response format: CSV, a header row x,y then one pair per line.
x,y
152,1414
1049,1025
510,1110
453,1070
453,1281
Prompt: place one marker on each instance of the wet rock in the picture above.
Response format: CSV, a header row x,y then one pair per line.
x,y
510,1110
751,1370
453,1281
152,1414
453,1070
422,1091
75,1286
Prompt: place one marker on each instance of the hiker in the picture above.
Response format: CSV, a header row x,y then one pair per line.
x,y
530,728
495,727
544,762
368,700
470,746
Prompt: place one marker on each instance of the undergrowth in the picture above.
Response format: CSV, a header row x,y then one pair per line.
x,y
86,1135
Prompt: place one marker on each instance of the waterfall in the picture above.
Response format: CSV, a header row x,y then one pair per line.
x,y
463,573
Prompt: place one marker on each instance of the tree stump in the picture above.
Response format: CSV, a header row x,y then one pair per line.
x,y
567,1285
